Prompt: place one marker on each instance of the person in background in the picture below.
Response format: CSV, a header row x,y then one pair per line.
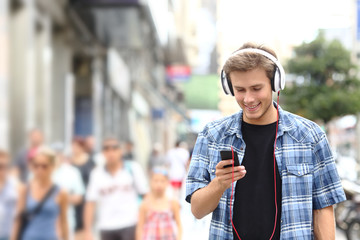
x,y
54,210
68,177
158,214
8,197
129,148
23,158
82,161
114,192
90,145
90,148
177,159
157,159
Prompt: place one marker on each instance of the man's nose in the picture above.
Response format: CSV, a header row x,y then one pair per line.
x,y
248,98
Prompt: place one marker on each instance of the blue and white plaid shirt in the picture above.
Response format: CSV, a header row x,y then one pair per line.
x,y
306,165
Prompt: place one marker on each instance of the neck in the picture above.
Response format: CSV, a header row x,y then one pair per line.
x,y
158,196
80,155
113,167
80,158
34,146
270,116
43,182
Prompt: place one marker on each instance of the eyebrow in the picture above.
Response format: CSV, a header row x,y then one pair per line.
x,y
253,86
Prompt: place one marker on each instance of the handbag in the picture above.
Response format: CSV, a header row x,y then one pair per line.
x,y
26,216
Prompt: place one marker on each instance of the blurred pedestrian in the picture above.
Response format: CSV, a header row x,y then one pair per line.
x,y
158,214
177,159
42,190
129,148
23,158
8,197
68,177
157,158
82,161
113,191
90,146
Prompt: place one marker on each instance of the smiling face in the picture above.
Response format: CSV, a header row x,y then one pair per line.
x,y
253,93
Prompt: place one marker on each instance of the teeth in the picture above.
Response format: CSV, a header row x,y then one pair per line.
x,y
252,107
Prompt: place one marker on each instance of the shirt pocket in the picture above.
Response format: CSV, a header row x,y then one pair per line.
x,y
299,169
298,182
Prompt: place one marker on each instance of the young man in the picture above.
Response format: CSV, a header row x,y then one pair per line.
x,y
114,189
290,196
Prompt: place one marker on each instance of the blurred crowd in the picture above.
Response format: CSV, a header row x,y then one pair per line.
x,y
50,192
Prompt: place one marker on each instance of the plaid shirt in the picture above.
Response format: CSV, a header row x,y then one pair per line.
x,y
306,165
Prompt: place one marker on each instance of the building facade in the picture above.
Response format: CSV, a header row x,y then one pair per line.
x,y
80,68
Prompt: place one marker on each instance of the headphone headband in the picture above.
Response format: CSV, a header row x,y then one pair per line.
x,y
279,76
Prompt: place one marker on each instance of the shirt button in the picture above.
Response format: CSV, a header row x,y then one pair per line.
x,y
277,148
241,149
213,170
299,173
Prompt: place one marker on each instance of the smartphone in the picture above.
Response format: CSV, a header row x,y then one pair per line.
x,y
227,154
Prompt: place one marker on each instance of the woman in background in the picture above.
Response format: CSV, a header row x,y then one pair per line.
x,y
43,225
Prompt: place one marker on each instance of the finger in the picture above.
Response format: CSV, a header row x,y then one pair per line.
x,y
238,168
241,173
223,171
237,175
223,163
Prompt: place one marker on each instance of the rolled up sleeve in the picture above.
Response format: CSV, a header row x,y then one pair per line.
x,y
198,176
327,188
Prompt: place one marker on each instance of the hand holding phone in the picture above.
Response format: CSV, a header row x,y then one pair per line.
x,y
225,174
227,154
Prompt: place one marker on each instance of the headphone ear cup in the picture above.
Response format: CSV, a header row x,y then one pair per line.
x,y
226,84
281,80
276,83
230,87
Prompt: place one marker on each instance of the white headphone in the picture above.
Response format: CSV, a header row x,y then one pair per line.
x,y
278,81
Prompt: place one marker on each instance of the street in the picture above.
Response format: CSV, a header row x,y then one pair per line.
x,y
340,235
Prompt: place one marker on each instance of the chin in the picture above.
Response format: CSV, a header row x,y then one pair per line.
x,y
156,193
253,116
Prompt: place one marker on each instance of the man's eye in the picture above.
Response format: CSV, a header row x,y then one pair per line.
x,y
257,89
240,90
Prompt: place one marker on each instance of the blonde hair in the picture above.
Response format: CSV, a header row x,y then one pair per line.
x,y
248,61
48,153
